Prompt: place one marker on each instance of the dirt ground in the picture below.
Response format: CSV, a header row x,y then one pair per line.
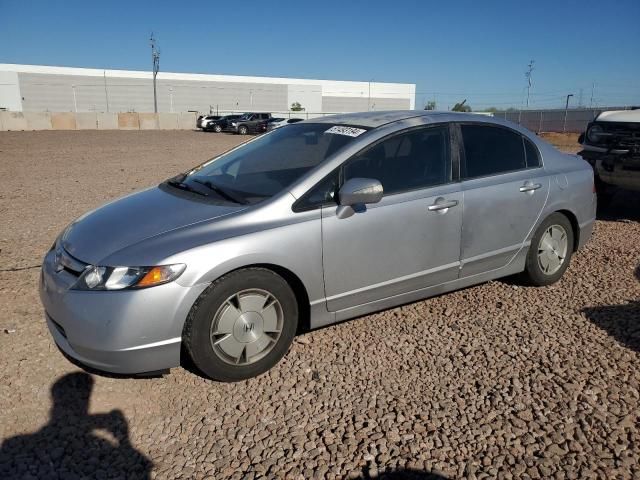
x,y
498,380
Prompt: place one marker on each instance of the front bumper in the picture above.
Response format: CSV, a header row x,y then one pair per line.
x,y
618,168
127,331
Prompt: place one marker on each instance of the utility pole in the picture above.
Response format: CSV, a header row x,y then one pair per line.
x,y
527,75
155,57
566,107
593,87
580,98
106,94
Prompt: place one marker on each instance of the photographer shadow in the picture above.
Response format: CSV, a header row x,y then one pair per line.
x,y
622,322
74,444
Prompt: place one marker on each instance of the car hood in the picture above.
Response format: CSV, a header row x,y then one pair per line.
x,y
134,218
631,116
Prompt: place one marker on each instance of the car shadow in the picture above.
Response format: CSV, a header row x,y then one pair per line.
x,y
624,205
401,474
622,322
74,443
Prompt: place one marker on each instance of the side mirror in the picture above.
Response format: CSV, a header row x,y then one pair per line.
x,y
358,191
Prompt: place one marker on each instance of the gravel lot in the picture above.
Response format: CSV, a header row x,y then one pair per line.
x,y
498,380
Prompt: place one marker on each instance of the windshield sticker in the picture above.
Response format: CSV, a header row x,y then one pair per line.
x,y
348,131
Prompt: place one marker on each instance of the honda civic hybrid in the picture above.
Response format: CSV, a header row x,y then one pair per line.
x,y
322,221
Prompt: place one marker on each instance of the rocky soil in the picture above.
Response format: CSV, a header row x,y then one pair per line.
x,y
497,380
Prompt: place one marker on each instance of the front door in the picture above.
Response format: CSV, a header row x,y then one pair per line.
x,y
411,238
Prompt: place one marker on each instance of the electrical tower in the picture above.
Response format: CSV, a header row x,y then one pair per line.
x,y
155,57
527,75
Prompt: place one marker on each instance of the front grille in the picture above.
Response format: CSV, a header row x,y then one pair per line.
x,y
621,135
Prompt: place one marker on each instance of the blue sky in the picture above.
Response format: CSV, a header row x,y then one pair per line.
x,y
452,50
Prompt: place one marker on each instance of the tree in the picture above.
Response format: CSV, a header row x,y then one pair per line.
x,y
296,107
491,109
431,105
461,107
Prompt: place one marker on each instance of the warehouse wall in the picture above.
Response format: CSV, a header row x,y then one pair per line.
x,y
43,92
36,88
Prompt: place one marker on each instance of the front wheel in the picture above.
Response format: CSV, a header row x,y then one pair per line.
x,y
550,251
243,130
217,128
242,325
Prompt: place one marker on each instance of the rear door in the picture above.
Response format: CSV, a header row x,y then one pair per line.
x,y
505,190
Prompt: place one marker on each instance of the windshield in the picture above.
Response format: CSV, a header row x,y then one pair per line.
x,y
264,167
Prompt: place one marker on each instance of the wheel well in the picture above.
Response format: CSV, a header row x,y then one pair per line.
x,y
299,290
574,226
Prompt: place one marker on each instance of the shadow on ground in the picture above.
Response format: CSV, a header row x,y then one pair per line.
x,y
404,474
622,322
623,206
74,444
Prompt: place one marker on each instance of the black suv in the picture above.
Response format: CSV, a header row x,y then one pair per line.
x,y
611,144
220,124
249,123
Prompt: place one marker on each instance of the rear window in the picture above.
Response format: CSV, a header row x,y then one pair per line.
x,y
490,150
531,151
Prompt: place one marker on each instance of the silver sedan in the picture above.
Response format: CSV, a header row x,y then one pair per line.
x,y
322,221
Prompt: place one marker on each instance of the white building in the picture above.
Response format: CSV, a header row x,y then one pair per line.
x,y
32,88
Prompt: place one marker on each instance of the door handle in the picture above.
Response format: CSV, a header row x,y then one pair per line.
x,y
442,205
530,187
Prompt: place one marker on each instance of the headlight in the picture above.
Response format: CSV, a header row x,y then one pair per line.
x,y
119,278
234,124
594,134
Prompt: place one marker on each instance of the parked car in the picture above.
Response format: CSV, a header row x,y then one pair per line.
x,y
248,123
202,119
611,144
280,122
315,223
220,124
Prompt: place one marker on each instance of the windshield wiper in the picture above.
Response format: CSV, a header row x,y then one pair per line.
x,y
186,187
225,193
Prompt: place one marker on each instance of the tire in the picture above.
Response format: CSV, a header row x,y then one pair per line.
x,y
224,331
550,251
217,128
243,130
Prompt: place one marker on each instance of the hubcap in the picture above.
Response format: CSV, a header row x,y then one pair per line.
x,y
552,250
246,327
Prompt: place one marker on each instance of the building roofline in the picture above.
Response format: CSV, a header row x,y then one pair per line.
x,y
95,72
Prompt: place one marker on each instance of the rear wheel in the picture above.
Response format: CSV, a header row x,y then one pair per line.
x,y
242,325
243,130
217,128
550,251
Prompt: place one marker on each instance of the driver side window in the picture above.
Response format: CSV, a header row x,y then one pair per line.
x,y
408,161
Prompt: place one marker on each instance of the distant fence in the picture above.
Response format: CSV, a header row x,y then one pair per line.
x,y
554,120
535,120
11,121
15,121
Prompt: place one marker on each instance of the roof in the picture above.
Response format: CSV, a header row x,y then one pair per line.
x,y
379,118
334,85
